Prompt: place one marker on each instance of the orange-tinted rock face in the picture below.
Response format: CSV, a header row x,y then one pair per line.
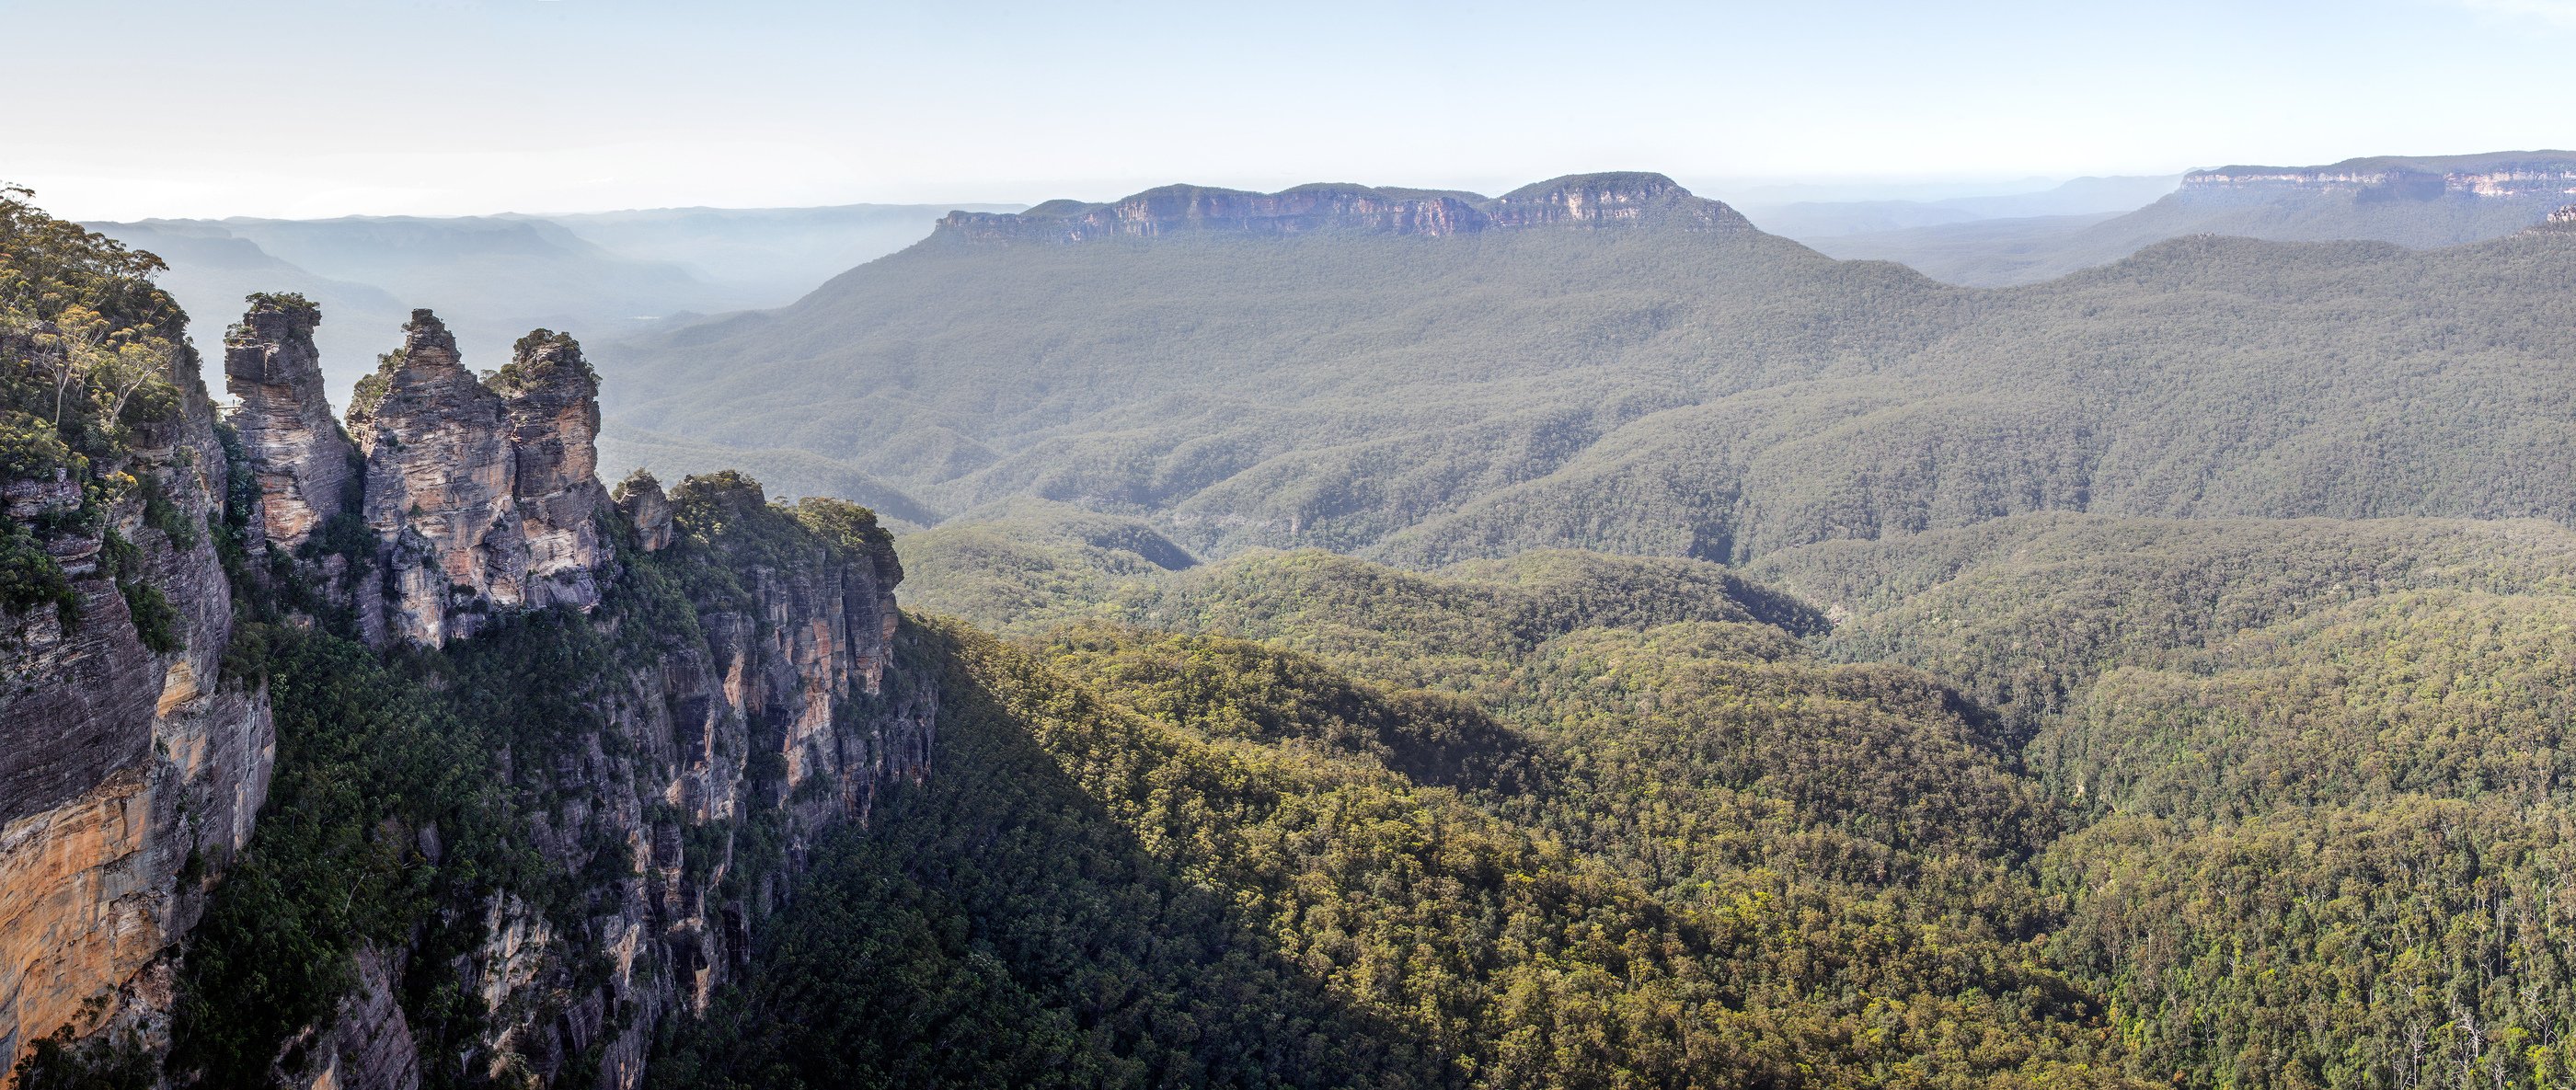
x,y
120,767
123,770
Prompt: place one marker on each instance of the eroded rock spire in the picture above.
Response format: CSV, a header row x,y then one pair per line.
x,y
438,487
551,399
481,493
305,465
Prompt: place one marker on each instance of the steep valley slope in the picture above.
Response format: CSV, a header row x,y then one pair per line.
x,y
1733,668
1380,372
404,757
2302,787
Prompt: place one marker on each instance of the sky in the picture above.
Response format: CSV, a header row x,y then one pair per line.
x,y
124,109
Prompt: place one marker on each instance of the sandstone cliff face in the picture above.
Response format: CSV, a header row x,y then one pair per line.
x,y
2547,179
789,717
782,713
128,776
438,489
723,742
1613,200
640,498
2563,219
482,500
551,404
306,464
1179,208
1588,200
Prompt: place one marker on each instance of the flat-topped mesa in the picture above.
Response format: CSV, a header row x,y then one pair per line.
x,y
304,463
1589,200
2546,176
1613,200
551,398
1177,208
480,498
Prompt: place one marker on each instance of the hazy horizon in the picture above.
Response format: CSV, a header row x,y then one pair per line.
x,y
304,108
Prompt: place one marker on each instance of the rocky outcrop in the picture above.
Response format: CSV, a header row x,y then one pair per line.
x,y
437,488
1613,200
754,705
2562,220
778,708
367,1044
130,773
1587,200
305,465
551,404
787,715
1178,208
2543,177
482,496
640,498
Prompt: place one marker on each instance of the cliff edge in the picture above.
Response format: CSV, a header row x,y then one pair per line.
x,y
1612,200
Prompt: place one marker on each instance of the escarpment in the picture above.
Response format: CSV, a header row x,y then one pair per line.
x,y
482,495
626,721
306,465
2547,178
739,699
130,767
1577,200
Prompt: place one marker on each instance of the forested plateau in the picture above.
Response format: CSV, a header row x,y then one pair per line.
x,y
1421,394
1351,637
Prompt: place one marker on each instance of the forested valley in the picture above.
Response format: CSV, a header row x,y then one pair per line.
x,y
1748,670
2051,800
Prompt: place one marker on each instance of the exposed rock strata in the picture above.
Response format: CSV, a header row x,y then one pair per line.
x,y
438,490
2544,177
789,713
783,709
482,498
1612,200
1588,200
640,498
551,404
306,466
127,776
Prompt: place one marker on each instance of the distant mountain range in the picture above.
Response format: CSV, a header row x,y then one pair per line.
x,y
1808,221
601,275
2418,202
1610,362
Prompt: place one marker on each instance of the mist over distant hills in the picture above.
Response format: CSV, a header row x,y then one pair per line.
x,y
2412,201
1568,638
603,275
1808,221
1427,377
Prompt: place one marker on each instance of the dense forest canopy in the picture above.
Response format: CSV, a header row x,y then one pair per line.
x,y
1547,659
2284,797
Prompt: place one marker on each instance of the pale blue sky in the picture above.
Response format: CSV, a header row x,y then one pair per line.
x,y
127,108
